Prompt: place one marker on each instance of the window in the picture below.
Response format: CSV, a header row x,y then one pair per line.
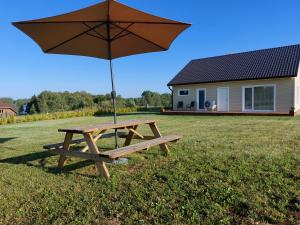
x,y
248,98
183,92
259,98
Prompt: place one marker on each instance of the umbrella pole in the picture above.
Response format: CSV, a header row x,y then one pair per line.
x,y
114,99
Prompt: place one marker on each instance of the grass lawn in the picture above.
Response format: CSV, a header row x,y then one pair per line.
x,y
225,170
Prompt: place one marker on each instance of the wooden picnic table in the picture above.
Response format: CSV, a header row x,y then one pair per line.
x,y
93,133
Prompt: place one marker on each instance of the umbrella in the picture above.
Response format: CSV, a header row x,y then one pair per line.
x,y
107,30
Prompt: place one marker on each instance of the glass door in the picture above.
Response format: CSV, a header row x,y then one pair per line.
x,y
201,99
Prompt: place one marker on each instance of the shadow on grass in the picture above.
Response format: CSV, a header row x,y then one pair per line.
x,y
28,160
3,140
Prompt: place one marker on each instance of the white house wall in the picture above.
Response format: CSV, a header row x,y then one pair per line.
x,y
284,93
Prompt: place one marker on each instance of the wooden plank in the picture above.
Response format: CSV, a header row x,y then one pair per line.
x,y
114,154
157,134
106,126
66,146
101,167
82,155
136,133
75,142
130,136
96,138
123,135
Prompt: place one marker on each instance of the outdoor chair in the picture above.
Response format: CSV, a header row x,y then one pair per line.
x,y
191,106
180,105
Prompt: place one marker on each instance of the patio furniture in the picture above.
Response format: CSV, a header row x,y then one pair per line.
x,y
210,105
94,133
180,105
191,106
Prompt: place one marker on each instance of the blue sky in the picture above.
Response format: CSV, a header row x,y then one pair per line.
x,y
219,27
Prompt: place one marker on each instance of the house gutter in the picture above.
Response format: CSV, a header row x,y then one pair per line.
x,y
172,100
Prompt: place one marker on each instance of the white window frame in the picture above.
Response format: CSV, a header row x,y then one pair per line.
x,y
188,90
218,97
201,89
254,86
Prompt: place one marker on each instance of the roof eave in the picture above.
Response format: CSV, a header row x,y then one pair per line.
x,y
223,81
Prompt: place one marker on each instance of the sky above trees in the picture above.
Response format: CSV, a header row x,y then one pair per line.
x,y
219,27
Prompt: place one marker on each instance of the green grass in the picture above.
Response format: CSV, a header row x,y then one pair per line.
x,y
225,170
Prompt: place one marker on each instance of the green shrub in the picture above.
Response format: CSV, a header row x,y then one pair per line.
x,y
109,110
48,116
70,114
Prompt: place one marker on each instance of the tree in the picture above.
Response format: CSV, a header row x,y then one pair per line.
x,y
19,103
47,101
34,105
151,98
166,100
7,100
130,103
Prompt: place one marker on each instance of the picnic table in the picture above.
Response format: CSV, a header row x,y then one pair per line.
x,y
93,133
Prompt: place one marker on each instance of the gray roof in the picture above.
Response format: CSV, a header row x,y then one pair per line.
x,y
261,64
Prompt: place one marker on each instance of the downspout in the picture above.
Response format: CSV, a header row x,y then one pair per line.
x,y
172,100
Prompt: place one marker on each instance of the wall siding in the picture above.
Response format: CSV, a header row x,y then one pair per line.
x,y
297,84
7,113
284,93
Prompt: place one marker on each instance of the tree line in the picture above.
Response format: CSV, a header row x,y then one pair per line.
x,y
48,102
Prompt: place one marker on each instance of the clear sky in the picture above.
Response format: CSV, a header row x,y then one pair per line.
x,y
219,27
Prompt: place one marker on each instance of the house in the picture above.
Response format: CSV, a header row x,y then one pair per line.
x,y
7,110
262,81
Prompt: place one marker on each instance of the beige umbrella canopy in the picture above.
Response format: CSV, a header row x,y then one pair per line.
x,y
107,30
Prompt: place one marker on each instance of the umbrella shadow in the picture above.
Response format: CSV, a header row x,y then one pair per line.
x,y
3,140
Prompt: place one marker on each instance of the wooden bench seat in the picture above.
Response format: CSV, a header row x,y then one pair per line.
x,y
74,142
117,153
109,156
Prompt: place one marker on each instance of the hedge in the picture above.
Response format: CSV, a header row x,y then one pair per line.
x,y
70,114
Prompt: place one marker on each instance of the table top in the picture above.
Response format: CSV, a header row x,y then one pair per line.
x,y
105,126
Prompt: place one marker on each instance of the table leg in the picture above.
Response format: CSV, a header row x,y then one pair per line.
x,y
130,136
157,134
101,167
67,144
86,148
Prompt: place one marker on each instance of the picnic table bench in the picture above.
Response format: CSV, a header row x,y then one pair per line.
x,y
93,133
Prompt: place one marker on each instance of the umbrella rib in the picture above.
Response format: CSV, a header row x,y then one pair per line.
x,y
95,36
145,39
97,21
95,31
123,30
76,36
121,36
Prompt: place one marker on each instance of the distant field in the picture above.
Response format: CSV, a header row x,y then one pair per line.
x,y
226,170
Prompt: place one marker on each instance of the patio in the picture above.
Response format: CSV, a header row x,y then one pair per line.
x,y
214,113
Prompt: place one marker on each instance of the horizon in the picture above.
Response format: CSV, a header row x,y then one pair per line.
x,y
238,27
60,92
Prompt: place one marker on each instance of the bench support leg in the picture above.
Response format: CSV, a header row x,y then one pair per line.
x,y
86,148
157,134
101,167
130,136
67,144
